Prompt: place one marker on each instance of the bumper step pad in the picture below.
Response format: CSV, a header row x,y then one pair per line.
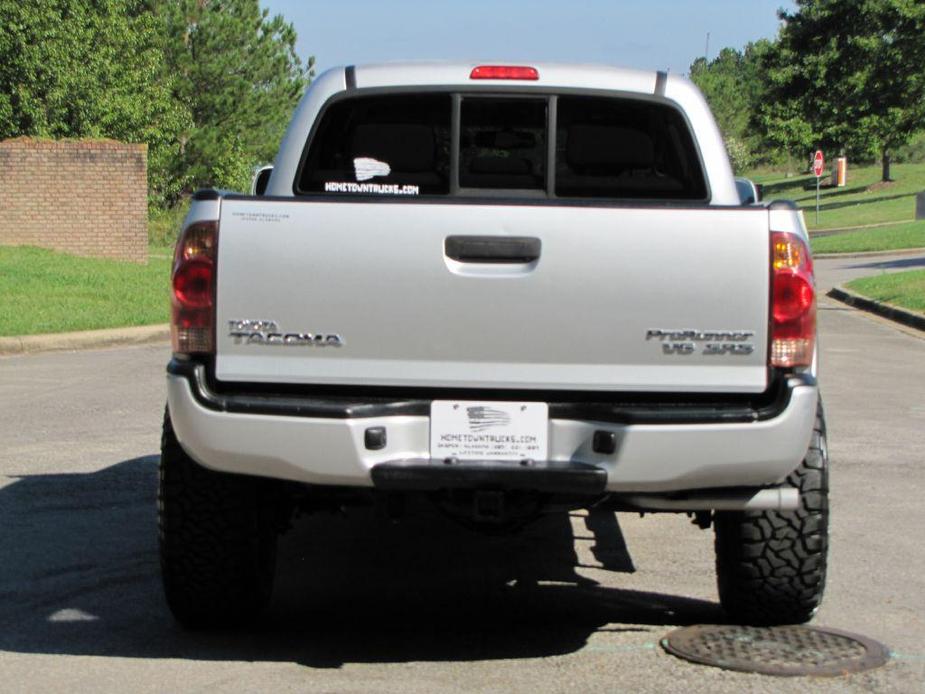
x,y
540,476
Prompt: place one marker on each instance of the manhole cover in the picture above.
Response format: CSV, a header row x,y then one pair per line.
x,y
784,651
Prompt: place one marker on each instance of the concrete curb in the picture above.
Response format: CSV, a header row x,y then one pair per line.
x,y
85,339
908,318
870,254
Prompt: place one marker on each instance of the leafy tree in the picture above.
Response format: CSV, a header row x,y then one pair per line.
x,y
207,84
88,68
733,85
847,75
237,72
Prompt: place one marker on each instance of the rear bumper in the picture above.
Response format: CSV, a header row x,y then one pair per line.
x,y
564,478
322,441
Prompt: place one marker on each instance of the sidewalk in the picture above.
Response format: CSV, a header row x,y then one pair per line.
x,y
842,230
833,272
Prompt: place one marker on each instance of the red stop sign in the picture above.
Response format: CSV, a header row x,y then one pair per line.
x,y
818,163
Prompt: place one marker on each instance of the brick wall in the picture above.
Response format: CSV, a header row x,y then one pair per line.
x,y
82,197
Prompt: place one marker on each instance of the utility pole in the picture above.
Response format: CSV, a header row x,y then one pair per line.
x,y
706,50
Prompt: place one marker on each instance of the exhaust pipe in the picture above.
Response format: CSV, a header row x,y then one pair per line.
x,y
774,499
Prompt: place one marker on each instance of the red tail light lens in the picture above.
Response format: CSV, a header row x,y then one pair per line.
x,y
192,283
504,72
793,302
192,325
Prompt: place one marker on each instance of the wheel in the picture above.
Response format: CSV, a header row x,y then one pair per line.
x,y
217,540
770,565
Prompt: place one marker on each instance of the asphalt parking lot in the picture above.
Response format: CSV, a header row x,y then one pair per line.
x,y
572,604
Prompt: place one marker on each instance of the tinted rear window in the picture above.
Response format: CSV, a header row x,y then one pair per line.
x,y
503,143
397,144
619,148
604,148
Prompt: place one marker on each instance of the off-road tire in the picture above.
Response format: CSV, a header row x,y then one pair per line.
x,y
770,565
217,540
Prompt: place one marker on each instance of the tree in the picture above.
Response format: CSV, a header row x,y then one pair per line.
x,y
88,68
237,72
733,85
847,75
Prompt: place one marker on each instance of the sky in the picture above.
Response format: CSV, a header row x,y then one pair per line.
x,y
648,34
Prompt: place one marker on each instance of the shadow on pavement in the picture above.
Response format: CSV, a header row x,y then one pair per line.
x,y
907,263
79,576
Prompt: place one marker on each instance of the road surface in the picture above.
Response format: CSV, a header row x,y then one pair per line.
x,y
573,604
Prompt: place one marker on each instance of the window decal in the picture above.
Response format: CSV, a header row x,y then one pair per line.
x,y
374,188
367,168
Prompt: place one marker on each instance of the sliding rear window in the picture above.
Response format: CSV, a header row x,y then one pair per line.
x,y
503,144
485,144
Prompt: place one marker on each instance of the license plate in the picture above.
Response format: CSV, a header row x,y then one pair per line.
x,y
471,430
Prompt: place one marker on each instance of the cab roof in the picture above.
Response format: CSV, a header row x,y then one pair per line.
x,y
550,75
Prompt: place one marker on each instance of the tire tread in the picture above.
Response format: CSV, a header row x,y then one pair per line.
x,y
771,565
216,540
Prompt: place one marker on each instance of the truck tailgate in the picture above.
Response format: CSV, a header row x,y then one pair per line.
x,y
630,299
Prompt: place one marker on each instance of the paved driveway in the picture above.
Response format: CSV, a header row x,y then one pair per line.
x,y
574,604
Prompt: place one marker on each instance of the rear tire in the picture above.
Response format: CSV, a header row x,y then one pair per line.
x,y
217,540
771,565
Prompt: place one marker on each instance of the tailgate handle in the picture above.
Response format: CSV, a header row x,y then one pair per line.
x,y
492,249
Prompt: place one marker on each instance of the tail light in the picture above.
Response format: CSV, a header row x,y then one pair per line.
x,y
793,302
192,302
504,72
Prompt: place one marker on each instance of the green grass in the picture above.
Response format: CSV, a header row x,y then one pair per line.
x,y
890,238
855,204
906,289
44,291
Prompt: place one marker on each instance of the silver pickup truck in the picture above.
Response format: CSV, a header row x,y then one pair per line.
x,y
509,290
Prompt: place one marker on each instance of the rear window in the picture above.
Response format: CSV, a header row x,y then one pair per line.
x,y
618,148
393,145
405,144
503,144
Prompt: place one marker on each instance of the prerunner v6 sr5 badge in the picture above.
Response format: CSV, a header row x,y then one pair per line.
x,y
709,342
